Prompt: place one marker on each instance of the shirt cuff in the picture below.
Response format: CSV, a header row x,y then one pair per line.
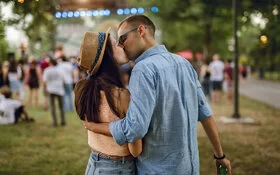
x,y
117,132
205,112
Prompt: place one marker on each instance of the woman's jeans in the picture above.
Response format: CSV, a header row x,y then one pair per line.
x,y
104,166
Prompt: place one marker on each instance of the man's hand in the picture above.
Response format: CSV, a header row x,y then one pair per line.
x,y
99,128
224,162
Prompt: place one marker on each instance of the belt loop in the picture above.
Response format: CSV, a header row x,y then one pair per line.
x,y
123,160
98,156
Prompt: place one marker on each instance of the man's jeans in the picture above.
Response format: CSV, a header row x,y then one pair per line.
x,y
68,98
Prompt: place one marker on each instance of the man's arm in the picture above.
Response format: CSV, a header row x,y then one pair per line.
x,y
211,130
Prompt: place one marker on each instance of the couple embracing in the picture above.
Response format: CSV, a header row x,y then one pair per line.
x,y
151,127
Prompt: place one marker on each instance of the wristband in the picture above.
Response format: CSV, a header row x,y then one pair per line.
x,y
219,158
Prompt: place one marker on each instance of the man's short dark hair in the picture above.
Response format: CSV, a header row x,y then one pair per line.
x,y
53,62
5,90
136,20
63,58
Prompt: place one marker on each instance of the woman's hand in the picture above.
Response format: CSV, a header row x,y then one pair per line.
x,y
99,128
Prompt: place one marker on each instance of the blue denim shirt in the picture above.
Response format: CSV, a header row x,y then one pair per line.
x,y
166,104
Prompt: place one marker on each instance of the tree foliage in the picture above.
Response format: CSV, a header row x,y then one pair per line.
x,y
36,20
206,26
3,42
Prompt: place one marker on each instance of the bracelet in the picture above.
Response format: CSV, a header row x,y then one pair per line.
x,y
219,158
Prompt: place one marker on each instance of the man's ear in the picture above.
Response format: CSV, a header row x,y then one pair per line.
x,y
142,30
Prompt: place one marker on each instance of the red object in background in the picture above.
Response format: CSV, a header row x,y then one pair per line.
x,y
198,56
186,54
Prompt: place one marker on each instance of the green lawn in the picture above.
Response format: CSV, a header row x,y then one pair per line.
x,y
38,148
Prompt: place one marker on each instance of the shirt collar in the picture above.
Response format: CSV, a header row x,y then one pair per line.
x,y
151,51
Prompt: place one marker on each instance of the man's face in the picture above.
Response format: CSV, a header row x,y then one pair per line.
x,y
118,52
130,40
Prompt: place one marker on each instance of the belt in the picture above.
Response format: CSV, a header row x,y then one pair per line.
x,y
105,156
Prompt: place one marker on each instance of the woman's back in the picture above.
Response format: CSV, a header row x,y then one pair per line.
x,y
106,144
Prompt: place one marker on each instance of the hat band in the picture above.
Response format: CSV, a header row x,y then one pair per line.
x,y
101,39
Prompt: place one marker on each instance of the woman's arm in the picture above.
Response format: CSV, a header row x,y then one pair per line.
x,y
135,148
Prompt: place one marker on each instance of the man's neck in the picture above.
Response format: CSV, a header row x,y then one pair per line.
x,y
150,43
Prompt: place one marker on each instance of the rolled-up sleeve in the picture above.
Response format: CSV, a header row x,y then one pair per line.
x,y
142,103
204,109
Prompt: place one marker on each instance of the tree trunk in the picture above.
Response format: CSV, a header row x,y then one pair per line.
x,y
207,42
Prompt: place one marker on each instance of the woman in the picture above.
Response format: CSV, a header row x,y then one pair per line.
x,y
3,77
14,75
32,80
102,98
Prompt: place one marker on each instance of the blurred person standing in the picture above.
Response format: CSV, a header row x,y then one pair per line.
x,y
205,74
14,75
217,77
53,80
243,72
21,65
228,79
4,80
76,71
66,69
33,75
43,65
58,51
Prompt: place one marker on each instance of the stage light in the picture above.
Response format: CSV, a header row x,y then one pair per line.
x,y
126,11
70,14
58,14
141,10
133,11
64,15
95,13
154,9
76,14
107,12
120,11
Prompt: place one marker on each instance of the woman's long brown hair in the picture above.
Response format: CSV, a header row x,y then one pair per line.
x,y
87,91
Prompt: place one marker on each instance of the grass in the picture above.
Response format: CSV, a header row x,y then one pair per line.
x,y
252,149
39,148
269,76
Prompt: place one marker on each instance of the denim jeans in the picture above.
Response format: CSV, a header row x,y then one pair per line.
x,y
68,98
104,166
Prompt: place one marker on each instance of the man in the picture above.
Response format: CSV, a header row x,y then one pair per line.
x,y
217,76
11,110
66,69
54,83
166,104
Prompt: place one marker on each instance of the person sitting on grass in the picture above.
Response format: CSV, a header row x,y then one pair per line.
x,y
11,110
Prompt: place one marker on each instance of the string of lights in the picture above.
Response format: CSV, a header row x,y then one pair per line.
x,y
104,12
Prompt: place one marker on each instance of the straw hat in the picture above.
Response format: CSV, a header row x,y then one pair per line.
x,y
92,50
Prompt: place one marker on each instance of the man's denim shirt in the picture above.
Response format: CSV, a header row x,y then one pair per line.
x,y
166,104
